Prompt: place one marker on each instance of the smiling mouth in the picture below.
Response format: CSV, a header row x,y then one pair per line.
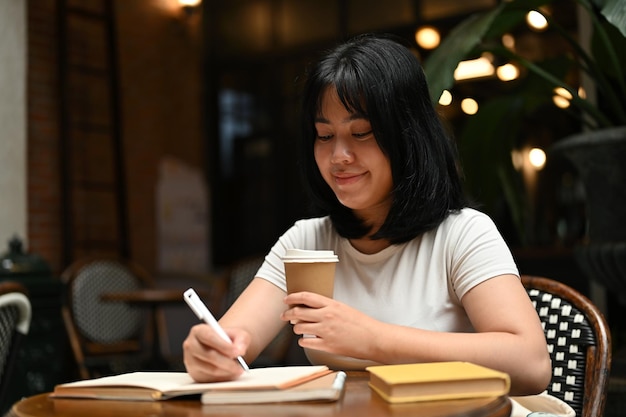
x,y
347,179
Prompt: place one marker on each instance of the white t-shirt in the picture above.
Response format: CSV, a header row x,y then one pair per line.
x,y
418,283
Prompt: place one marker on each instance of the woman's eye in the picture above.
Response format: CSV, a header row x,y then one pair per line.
x,y
361,135
324,137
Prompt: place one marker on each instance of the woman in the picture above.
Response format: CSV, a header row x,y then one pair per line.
x,y
421,277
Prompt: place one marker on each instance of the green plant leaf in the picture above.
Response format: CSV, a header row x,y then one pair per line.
x,y
485,147
490,135
440,65
614,11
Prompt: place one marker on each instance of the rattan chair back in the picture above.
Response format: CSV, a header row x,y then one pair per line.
x,y
579,343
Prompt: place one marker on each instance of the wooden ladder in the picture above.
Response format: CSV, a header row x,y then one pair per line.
x,y
94,209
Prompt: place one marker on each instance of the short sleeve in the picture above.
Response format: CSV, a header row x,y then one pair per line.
x,y
477,251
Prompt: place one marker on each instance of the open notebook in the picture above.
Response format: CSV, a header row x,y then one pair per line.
x,y
153,386
328,387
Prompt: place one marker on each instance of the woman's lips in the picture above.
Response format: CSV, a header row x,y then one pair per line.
x,y
347,179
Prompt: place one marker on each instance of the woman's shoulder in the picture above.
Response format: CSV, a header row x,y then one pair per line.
x,y
310,233
311,228
314,223
466,221
465,216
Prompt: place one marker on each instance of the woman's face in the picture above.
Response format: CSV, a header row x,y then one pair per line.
x,y
350,160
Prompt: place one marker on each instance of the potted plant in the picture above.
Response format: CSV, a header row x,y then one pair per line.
x,y
600,124
483,33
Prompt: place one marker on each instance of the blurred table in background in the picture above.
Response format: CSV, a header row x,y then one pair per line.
x,y
155,299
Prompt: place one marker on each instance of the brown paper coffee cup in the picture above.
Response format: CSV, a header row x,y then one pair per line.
x,y
308,270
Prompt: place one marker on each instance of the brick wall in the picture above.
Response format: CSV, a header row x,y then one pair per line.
x,y
160,78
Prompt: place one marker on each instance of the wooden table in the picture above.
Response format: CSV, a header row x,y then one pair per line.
x,y
357,401
149,296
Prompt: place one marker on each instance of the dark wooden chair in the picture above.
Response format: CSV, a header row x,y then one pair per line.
x,y
579,342
15,318
106,337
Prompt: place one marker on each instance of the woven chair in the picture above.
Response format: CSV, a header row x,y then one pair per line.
x,y
15,317
240,274
579,343
106,337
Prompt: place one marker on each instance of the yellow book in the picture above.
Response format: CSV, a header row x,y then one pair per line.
x,y
437,381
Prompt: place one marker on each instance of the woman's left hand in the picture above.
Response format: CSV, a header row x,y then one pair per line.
x,y
337,328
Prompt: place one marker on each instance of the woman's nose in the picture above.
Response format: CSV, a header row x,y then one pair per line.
x,y
341,152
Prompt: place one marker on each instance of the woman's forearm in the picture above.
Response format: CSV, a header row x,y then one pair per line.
x,y
525,361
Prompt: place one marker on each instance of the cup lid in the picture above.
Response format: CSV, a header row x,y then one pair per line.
x,y
302,255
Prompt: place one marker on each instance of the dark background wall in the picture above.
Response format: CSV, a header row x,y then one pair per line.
x,y
159,113
216,89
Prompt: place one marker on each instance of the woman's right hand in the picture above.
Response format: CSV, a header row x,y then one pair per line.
x,y
209,358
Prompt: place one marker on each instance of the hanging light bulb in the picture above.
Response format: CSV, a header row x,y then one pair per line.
x,y
507,72
561,97
446,98
508,41
537,158
536,20
474,68
427,37
469,106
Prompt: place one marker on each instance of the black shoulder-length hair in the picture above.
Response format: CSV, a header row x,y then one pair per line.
x,y
382,79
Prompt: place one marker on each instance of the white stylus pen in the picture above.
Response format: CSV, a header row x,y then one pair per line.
x,y
203,313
